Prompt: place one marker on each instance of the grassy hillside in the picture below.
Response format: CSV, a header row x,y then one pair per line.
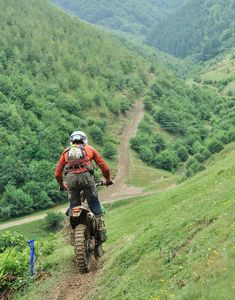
x,y
200,28
57,75
220,73
177,244
131,16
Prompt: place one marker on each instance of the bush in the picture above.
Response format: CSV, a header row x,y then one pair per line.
x,y
166,160
159,143
97,134
146,154
199,157
17,200
54,220
194,168
215,146
231,134
182,153
110,150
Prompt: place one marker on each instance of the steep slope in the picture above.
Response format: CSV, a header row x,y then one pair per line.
x,y
179,244
201,28
57,75
131,16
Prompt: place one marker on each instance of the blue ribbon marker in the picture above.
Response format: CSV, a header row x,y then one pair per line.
x,y
32,255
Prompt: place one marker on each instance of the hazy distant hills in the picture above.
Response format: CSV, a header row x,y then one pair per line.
x,y
201,28
132,16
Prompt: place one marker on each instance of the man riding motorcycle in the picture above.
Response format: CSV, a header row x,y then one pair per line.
x,y
75,164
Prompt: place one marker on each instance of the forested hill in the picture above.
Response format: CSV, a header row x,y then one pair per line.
x,y
57,75
201,28
131,16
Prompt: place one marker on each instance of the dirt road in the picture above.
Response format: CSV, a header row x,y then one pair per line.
x,y
81,284
120,190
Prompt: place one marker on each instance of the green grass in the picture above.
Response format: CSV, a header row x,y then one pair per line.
x,y
152,179
34,230
179,244
222,69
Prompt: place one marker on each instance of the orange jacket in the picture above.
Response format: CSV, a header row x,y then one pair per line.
x,y
91,154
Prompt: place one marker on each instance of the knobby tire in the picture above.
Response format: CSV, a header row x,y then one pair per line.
x,y
81,248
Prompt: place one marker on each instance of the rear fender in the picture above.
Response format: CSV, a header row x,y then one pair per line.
x,y
78,216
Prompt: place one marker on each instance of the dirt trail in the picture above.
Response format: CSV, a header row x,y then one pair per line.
x,y
76,286
120,190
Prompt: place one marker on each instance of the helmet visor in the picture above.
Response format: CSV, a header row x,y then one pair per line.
x,y
77,137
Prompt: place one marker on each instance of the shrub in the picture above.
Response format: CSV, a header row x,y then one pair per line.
x,y
159,143
167,160
199,157
215,146
182,153
146,154
97,134
110,150
17,200
231,134
54,220
194,168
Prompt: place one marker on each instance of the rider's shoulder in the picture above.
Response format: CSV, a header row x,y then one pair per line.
x,y
66,150
89,148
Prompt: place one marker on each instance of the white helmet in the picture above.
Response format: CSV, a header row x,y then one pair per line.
x,y
79,136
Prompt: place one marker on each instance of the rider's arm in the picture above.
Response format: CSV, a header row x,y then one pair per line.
x,y
102,164
59,170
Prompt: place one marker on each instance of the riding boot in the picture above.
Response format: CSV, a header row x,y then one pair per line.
x,y
101,230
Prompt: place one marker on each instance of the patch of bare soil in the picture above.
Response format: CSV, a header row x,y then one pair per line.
x,y
75,286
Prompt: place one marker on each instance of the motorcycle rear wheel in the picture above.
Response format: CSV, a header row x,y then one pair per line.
x,y
82,249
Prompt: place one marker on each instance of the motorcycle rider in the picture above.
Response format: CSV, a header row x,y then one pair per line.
x,y
75,164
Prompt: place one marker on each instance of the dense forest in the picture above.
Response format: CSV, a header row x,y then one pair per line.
x,y
132,16
200,28
57,75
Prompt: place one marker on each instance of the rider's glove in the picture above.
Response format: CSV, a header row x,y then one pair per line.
x,y
108,182
62,188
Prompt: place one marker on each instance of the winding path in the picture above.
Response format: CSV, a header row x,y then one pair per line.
x,y
75,286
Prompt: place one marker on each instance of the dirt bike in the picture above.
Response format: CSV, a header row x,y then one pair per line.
x,y
84,234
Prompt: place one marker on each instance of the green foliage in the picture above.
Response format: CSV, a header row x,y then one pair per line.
x,y
131,16
57,74
166,160
54,220
110,150
215,146
198,120
198,28
9,240
14,259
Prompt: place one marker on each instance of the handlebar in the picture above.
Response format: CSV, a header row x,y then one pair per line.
x,y
97,183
